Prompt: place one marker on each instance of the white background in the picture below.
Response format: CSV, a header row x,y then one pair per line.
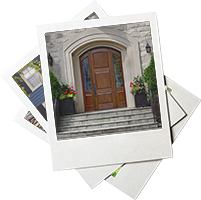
x,y
26,168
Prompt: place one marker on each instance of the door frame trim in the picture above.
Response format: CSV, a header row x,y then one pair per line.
x,y
97,37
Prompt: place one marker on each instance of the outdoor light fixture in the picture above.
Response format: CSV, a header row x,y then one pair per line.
x,y
50,60
148,48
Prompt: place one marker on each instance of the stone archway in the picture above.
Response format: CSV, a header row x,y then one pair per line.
x,y
96,37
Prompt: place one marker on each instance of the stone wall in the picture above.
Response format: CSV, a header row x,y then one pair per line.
x,y
140,31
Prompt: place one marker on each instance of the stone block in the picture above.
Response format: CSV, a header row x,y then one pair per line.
x,y
107,114
93,133
131,26
79,117
141,24
145,34
125,123
67,135
59,34
47,38
147,23
144,28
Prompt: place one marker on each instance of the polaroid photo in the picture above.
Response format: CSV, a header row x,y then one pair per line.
x,y
25,78
94,176
101,63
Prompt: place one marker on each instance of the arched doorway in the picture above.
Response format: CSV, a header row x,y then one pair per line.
x,y
102,79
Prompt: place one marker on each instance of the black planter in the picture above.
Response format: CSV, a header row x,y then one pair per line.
x,y
141,99
66,106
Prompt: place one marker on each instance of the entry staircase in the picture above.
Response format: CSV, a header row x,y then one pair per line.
x,y
105,122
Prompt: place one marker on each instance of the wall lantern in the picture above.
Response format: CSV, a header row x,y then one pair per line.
x,y
50,60
148,48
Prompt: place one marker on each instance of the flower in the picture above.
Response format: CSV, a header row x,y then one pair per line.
x,y
70,92
71,89
137,85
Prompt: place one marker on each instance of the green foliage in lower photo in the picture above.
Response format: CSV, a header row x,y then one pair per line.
x,y
114,174
55,86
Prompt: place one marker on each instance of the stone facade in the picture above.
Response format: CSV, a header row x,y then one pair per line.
x,y
140,31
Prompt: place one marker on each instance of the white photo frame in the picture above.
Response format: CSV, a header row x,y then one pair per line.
x,y
82,152
94,176
20,119
7,75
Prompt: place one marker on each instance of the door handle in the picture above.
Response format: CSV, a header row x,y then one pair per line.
x,y
95,90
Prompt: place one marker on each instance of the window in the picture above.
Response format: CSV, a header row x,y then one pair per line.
x,y
92,16
117,71
32,78
86,74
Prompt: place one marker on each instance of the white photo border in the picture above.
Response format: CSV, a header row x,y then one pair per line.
x,y
7,75
19,118
109,149
94,176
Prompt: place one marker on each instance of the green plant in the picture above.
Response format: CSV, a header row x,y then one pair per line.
x,y
19,80
34,64
169,89
137,85
67,91
114,174
149,77
55,86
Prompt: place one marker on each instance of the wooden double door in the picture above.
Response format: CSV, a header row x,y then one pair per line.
x,y
102,79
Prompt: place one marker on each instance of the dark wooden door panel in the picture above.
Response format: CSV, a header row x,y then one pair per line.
x,y
105,97
120,95
106,106
100,59
102,79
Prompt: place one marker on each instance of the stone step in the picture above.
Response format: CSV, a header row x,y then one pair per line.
x,y
70,122
106,113
105,124
106,130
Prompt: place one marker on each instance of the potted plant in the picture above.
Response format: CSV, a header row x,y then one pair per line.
x,y
67,98
138,90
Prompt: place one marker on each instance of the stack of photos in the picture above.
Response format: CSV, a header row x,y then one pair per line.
x,y
98,96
